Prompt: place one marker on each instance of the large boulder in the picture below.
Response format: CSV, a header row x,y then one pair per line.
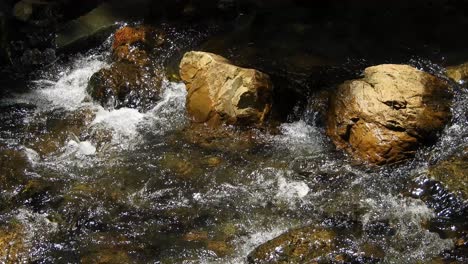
x,y
219,92
384,117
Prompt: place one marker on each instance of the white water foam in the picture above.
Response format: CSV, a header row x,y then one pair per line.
x,y
300,137
68,92
407,216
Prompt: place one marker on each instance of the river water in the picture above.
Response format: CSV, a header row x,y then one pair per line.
x,y
146,187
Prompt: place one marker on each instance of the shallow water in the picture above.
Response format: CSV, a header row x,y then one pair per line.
x,y
155,191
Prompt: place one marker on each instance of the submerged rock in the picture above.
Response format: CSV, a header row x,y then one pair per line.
x,y
219,92
99,22
385,116
297,246
50,131
458,73
12,244
453,174
125,85
13,166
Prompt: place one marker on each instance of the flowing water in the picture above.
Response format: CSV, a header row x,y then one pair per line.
x,y
146,187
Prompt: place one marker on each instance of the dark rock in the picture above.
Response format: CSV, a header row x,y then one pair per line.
x,y
297,246
13,168
453,174
50,132
96,25
125,85
317,244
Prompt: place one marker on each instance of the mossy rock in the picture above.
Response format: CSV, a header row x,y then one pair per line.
x,y
301,245
12,244
453,174
13,167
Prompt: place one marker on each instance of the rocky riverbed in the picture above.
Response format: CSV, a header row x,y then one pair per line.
x,y
251,137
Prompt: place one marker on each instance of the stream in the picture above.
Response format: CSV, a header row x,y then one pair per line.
x,y
146,187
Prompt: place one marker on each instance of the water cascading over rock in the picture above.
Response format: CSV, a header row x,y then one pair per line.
x,y
131,81
384,117
220,92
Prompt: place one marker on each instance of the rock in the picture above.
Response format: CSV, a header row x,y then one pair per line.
x,y
50,131
23,10
13,166
221,248
458,73
125,85
196,236
221,92
223,139
129,35
100,22
12,244
453,174
384,117
107,256
135,44
301,245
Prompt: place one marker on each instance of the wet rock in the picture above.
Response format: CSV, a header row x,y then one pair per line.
x,y
458,73
107,248
125,85
135,44
219,92
297,246
385,116
106,256
23,10
98,23
453,174
13,167
127,36
49,132
223,139
197,236
221,248
12,244
335,241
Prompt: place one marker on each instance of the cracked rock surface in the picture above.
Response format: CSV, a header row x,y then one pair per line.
x,y
385,116
219,92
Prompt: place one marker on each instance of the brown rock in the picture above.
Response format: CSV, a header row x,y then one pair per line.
x,y
458,73
221,92
384,117
13,167
301,245
453,174
133,44
132,55
12,244
130,35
